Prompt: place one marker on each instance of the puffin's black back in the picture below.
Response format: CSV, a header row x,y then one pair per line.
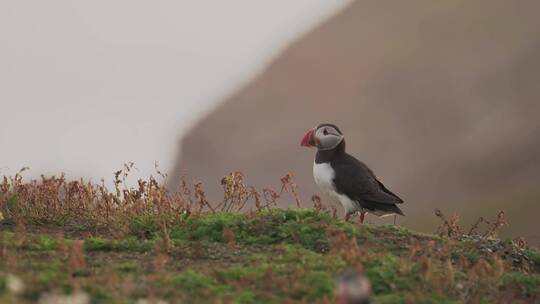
x,y
355,180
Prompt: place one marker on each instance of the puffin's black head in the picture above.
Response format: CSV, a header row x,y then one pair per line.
x,y
324,136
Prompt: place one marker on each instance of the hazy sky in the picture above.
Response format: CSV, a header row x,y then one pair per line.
x,y
88,85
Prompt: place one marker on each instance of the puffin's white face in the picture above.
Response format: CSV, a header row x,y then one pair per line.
x,y
327,137
324,137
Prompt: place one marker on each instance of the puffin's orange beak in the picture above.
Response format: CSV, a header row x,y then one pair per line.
x,y
307,140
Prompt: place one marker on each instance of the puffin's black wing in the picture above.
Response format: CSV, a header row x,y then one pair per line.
x,y
354,179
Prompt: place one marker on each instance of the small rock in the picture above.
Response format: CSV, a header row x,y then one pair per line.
x,y
75,298
353,287
14,284
153,301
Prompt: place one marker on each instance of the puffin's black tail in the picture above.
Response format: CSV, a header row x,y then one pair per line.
x,y
383,209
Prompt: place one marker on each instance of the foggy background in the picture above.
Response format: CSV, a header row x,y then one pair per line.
x,y
88,85
440,99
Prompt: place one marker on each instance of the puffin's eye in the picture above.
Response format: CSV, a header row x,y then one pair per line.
x,y
325,131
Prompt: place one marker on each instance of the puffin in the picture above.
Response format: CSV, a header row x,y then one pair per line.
x,y
345,178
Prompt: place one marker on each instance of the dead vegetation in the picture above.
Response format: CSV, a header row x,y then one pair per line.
x,y
82,205
481,228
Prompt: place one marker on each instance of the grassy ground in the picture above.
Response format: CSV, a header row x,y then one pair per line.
x,y
270,256
150,248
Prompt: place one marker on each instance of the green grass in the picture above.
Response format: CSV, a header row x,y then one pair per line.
x,y
527,284
534,258
130,244
274,256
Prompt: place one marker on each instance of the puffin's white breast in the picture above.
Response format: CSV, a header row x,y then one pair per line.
x,y
324,178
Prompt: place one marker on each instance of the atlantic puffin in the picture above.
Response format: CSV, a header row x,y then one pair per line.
x,y
345,178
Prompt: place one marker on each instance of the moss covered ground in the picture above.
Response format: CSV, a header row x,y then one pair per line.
x,y
268,256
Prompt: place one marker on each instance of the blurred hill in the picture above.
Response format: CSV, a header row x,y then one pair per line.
x,y
440,99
